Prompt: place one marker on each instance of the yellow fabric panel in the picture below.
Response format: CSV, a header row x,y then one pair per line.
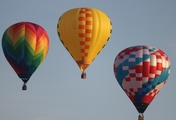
x,y
46,46
101,33
40,45
69,33
10,33
18,34
30,38
84,32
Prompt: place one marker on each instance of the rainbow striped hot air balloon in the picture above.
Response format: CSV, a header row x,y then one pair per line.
x,y
25,46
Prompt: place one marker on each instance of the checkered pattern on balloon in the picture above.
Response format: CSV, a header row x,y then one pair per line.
x,y
141,71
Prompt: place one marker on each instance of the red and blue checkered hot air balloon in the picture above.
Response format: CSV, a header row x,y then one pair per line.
x,y
141,71
25,46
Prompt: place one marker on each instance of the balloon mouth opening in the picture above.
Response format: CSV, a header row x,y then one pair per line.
x,y
141,107
141,115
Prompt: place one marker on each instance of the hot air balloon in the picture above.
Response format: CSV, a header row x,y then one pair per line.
x,y
141,71
84,32
25,46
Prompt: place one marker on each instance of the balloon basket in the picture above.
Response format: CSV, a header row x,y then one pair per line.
x,y
24,87
140,117
83,75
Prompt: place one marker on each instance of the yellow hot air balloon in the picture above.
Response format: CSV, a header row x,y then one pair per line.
x,y
84,32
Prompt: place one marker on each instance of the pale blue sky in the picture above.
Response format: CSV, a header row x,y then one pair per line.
x,y
56,91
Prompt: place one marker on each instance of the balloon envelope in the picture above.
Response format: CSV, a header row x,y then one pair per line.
x,y
84,32
25,45
141,71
